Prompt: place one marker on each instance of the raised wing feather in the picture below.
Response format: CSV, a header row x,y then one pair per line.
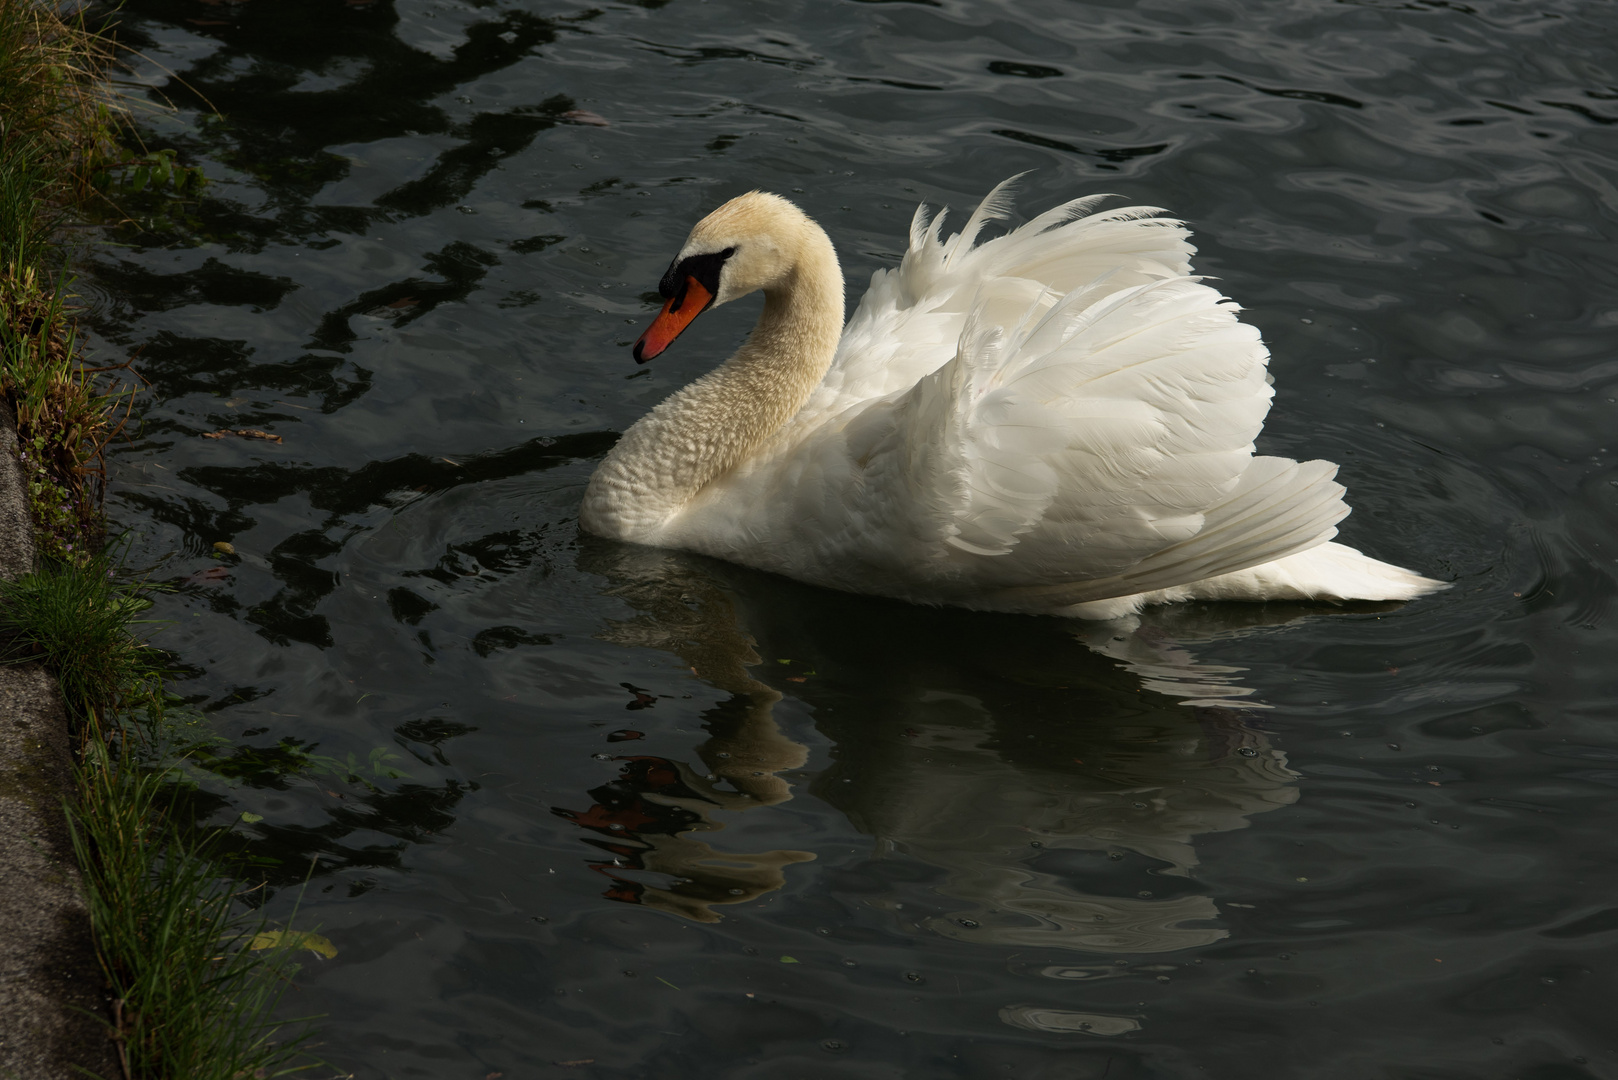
x,y
911,318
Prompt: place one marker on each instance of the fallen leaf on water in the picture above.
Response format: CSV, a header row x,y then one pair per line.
x,y
789,959
643,697
585,116
244,433
251,818
294,939
224,547
393,308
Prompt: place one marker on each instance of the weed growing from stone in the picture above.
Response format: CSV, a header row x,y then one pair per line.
x,y
64,419
76,619
191,991
53,124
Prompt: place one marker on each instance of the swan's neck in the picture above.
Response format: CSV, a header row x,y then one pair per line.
x,y
703,431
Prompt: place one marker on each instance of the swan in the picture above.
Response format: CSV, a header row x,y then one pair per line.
x,y
1059,420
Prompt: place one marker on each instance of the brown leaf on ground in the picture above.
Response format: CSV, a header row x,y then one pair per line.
x,y
245,433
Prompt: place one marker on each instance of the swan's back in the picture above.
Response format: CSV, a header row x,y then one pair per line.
x,y
1055,417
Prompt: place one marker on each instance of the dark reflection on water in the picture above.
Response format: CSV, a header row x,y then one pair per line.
x,y
569,801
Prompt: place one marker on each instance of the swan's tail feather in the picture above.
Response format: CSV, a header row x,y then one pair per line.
x,y
1328,572
1333,572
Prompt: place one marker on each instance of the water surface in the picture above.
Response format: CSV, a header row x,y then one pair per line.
x,y
641,813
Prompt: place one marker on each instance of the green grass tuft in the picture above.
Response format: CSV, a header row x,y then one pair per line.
x,y
191,995
76,619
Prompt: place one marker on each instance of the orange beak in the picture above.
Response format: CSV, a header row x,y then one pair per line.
x,y
676,315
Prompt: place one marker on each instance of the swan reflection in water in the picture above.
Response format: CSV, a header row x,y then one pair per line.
x,y
1049,768
653,816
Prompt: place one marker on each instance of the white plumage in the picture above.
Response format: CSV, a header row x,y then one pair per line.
x,y
1058,420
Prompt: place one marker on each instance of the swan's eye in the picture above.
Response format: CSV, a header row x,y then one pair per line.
x,y
704,268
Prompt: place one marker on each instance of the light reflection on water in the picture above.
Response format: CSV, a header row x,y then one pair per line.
x,y
1340,843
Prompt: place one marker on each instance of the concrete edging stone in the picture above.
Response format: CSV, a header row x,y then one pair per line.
x,y
51,987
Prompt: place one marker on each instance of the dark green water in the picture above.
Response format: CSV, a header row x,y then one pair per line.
x,y
652,816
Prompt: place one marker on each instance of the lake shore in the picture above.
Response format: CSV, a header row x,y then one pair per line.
x,y
124,948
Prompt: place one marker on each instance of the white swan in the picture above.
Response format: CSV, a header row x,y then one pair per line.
x,y
1059,421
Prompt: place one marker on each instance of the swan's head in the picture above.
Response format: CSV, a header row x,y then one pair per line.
x,y
752,242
